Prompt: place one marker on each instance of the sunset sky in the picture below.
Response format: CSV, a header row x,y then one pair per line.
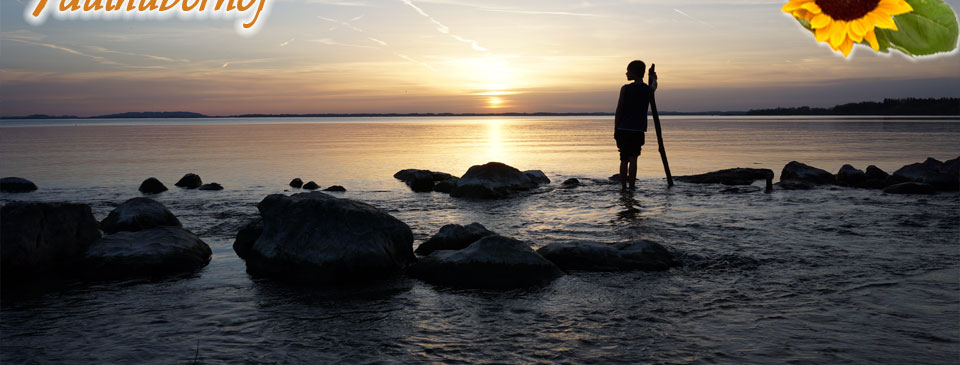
x,y
357,56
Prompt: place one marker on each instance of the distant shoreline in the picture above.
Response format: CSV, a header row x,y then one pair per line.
x,y
949,108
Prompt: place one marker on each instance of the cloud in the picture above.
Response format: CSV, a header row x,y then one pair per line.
x,y
284,44
382,43
157,58
331,42
445,29
72,51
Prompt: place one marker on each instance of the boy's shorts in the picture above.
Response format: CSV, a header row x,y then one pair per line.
x,y
629,143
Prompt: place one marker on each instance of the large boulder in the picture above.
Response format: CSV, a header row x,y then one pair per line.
x,y
940,175
150,252
492,180
189,181
454,237
317,237
492,262
152,186
247,236
16,185
296,183
42,237
537,176
138,214
802,172
311,186
851,176
874,178
420,181
910,188
596,256
734,176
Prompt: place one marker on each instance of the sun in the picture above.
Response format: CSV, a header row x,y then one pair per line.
x,y
841,23
494,102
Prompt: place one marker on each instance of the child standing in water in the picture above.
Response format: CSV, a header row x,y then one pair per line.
x,y
630,122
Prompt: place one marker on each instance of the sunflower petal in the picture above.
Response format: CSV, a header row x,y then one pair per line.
x,y
884,22
823,34
895,7
846,47
871,37
820,21
793,5
811,7
838,32
857,27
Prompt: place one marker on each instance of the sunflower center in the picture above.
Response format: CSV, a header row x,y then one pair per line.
x,y
847,9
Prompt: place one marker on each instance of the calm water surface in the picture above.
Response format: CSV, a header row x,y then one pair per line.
x,y
829,275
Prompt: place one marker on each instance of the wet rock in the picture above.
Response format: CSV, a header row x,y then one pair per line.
x,y
795,185
150,252
851,176
311,186
734,176
615,178
16,185
596,256
152,186
495,262
211,186
336,188
315,237
296,183
189,181
454,237
43,237
138,214
802,172
941,175
440,176
247,236
874,178
420,181
571,183
910,188
491,180
537,176
445,186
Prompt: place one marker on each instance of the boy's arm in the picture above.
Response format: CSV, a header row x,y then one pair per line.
x,y
619,114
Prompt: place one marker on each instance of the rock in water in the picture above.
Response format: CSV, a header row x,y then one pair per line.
x,y
874,178
454,237
16,185
317,237
420,181
152,186
247,236
151,252
311,186
537,176
296,183
910,188
138,214
211,186
445,186
491,180
940,175
802,172
595,256
734,176
851,176
189,181
492,262
42,237
336,188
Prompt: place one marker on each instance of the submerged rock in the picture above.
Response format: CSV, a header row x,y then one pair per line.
x,y
317,237
189,181
43,237
492,262
152,186
454,237
296,183
734,176
311,186
795,185
571,183
420,181
492,180
16,185
211,186
138,214
802,172
336,188
595,256
151,252
910,188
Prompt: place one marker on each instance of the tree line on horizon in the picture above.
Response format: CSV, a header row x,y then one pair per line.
x,y
908,106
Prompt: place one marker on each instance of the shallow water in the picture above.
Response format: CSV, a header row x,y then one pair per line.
x,y
829,275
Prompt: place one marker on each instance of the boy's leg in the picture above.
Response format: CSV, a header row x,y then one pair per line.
x,y
623,174
633,172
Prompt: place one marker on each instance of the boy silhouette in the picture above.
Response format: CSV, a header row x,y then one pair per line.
x,y
630,122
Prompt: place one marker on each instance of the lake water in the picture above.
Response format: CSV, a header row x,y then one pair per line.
x,y
828,275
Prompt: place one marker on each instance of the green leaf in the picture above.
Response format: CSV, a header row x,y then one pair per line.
x,y
929,29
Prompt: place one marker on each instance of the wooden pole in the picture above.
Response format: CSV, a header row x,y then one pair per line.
x,y
656,124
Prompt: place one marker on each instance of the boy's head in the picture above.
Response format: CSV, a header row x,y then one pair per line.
x,y
635,70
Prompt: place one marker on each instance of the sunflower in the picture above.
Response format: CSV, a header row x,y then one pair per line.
x,y
841,23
